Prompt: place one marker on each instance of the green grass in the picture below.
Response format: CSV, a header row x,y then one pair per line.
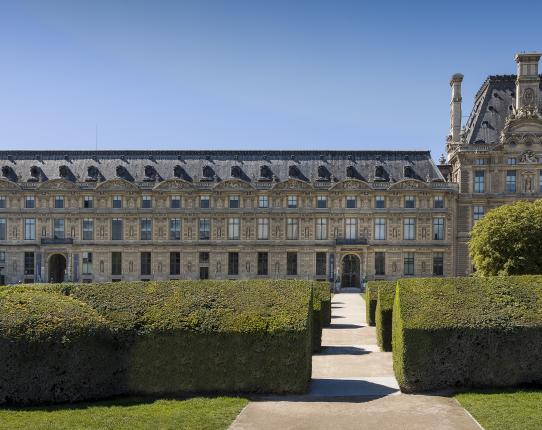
x,y
505,410
127,414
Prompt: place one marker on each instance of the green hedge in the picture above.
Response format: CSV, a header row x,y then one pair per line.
x,y
383,314
467,332
321,306
370,301
69,342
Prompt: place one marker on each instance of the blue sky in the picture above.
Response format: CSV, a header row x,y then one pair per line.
x,y
247,74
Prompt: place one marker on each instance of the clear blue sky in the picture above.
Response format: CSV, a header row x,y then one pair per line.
x,y
247,74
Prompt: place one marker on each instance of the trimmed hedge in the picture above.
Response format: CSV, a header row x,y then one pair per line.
x,y
70,342
370,302
321,305
383,314
467,332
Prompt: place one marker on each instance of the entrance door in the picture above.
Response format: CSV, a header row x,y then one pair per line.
x,y
57,268
204,273
350,273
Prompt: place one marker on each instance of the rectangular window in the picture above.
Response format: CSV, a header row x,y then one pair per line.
x,y
351,202
263,264
321,202
2,229
58,229
321,228
29,263
321,263
204,272
291,263
292,230
233,263
438,264
438,228
88,229
146,229
88,202
263,202
234,202
175,202
204,229
351,228
380,228
116,263
146,202
87,263
380,202
479,181
478,212
481,161
2,257
59,202
511,181
438,202
233,228
263,228
116,229
117,202
175,229
204,202
203,258
2,202
380,263
174,263
30,229
408,263
30,202
145,264
410,202
409,229
292,202
511,161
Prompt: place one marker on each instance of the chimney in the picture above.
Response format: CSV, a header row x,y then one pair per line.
x,y
528,81
455,107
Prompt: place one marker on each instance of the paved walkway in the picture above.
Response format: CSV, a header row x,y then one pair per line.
x,y
353,387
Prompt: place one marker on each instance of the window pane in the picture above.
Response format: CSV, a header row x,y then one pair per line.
x,y
116,229
408,263
291,263
204,229
263,264
321,262
233,263
263,228
174,263
263,202
380,263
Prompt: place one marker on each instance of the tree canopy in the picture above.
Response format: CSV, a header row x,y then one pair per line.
x,y
508,240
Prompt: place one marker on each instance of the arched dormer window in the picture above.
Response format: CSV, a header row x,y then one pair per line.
x,y
408,172
293,172
9,173
379,173
351,172
35,174
150,173
323,173
208,173
179,172
65,173
236,172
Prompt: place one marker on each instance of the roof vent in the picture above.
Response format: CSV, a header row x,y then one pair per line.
x,y
151,157
10,158
350,157
95,157
66,157
123,158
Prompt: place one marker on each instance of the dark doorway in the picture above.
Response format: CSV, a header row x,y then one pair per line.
x,y
57,268
350,274
204,273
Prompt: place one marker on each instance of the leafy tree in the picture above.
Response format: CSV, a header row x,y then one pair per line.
x,y
508,240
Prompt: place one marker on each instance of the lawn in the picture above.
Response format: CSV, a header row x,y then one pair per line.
x,y
505,410
127,414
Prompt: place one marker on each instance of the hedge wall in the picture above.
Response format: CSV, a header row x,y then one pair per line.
x,y
383,314
467,332
321,309
69,342
370,301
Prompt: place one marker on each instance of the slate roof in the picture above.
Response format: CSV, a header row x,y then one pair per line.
x,y
151,166
493,102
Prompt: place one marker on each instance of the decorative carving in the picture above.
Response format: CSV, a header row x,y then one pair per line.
x,y
528,157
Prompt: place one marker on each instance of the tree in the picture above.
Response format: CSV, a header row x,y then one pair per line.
x,y
508,240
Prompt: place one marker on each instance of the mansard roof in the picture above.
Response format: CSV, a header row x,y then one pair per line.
x,y
199,167
493,102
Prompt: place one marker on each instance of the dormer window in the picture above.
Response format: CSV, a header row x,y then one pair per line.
x,y
408,172
236,172
323,173
379,172
208,173
93,174
179,172
293,172
123,173
9,173
351,172
35,174
150,173
65,172
265,173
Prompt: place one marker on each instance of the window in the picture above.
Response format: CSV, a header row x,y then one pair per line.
x,y
146,229
58,229
380,263
234,202
511,181
438,202
175,229
2,257
438,264
59,202
87,263
480,161
233,263
263,228
479,181
29,263
88,202
351,202
145,263
204,272
146,202
117,202
408,263
174,263
263,264
29,229
175,202
203,258
116,229
380,202
321,262
478,212
88,229
204,202
409,229
29,202
116,263
233,228
292,230
540,182
263,202
291,263
410,202
321,202
292,202
438,228
204,229
351,228
2,229
2,202
321,229
380,228
511,161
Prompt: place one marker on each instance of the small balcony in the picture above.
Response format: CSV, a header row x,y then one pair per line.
x,y
360,241
57,241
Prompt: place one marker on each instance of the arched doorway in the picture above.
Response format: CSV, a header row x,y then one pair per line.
x,y
350,277
57,268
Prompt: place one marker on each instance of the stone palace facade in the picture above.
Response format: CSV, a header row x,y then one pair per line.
x,y
346,215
